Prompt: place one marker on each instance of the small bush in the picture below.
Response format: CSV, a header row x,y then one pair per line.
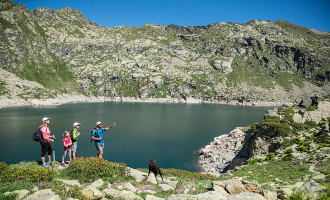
x,y
256,160
304,148
270,157
286,143
298,141
91,169
288,151
312,108
287,158
8,197
298,195
288,113
65,193
34,175
3,166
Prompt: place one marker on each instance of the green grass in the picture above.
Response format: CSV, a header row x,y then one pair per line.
x,y
77,33
286,171
300,31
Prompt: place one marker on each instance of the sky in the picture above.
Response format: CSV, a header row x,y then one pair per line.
x,y
313,14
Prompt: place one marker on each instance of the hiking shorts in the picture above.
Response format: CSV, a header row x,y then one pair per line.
x,y
74,147
99,146
67,152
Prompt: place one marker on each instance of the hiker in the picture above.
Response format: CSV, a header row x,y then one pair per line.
x,y
74,138
67,146
45,146
97,136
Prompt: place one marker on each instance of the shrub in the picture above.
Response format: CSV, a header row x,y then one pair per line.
x,y
270,157
256,160
286,143
288,113
91,169
304,148
312,108
288,151
298,195
33,175
9,196
298,141
3,166
287,158
65,193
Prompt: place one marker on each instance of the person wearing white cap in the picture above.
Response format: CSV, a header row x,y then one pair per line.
x,y
74,138
97,136
46,137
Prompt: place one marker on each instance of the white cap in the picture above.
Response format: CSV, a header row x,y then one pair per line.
x,y
98,123
45,119
75,124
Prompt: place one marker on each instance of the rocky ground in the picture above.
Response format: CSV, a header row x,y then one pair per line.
x,y
235,188
233,149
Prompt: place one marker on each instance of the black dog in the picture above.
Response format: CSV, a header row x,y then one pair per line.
x,y
155,169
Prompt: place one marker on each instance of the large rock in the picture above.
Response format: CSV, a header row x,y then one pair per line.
x,y
43,195
128,195
21,193
223,65
166,187
203,196
234,186
247,196
151,197
220,190
99,183
91,192
152,178
110,193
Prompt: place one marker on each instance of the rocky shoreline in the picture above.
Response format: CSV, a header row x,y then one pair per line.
x,y
227,151
66,98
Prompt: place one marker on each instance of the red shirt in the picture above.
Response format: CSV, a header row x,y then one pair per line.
x,y
44,129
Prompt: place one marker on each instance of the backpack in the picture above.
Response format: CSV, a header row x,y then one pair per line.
x,y
37,135
92,134
71,136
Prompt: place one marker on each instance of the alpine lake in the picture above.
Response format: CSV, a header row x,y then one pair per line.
x,y
170,133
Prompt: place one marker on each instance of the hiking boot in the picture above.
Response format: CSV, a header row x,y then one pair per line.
x,y
45,165
63,165
49,163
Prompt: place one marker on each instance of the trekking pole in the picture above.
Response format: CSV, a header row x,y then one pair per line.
x,y
54,152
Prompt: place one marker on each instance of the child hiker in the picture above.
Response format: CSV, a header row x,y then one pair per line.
x,y
67,146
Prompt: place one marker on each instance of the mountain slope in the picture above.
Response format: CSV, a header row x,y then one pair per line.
x,y
67,53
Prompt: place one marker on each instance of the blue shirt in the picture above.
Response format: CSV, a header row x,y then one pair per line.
x,y
98,133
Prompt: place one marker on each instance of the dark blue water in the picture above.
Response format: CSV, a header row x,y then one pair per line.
x,y
169,133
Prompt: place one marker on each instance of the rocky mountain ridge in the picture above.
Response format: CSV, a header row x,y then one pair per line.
x,y
65,53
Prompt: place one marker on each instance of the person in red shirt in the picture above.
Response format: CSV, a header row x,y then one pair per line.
x,y
46,138
67,146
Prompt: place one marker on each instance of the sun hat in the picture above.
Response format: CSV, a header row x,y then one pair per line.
x,y
45,119
98,123
76,124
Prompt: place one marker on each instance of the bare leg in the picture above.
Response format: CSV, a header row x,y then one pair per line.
x,y
43,160
49,158
99,154
73,155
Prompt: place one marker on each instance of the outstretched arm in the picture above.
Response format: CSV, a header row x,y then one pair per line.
x,y
114,124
